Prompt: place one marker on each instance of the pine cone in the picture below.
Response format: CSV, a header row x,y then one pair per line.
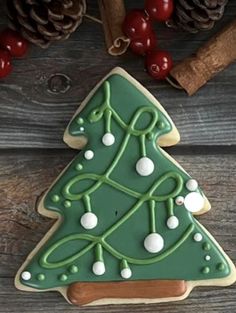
x,y
195,15
44,21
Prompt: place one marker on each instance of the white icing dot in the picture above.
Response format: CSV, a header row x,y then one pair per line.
x,y
192,185
89,154
153,243
108,139
126,273
179,200
26,275
81,129
197,237
207,257
194,202
99,268
172,222
89,220
144,166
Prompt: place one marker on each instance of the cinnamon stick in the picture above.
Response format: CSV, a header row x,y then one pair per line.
x,y
193,72
83,293
112,15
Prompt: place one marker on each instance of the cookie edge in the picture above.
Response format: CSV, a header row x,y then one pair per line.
x,y
166,140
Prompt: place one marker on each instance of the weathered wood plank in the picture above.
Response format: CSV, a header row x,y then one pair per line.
x,y
207,300
25,176
31,115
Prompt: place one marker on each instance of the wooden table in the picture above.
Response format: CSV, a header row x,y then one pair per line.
x,y
36,103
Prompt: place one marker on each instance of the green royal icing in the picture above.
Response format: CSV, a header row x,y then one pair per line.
x,y
41,277
67,204
73,269
80,121
79,167
63,277
206,246
128,206
205,270
55,198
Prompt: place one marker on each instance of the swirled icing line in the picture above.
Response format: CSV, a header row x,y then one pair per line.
x,y
106,111
96,240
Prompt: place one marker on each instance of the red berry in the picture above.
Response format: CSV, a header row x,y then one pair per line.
x,y
13,42
159,64
160,10
137,24
5,63
143,45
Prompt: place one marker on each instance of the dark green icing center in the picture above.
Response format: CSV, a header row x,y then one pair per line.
x,y
127,205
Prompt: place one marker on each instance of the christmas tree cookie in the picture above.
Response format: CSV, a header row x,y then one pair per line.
x,y
126,230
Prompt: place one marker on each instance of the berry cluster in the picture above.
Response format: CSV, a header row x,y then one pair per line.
x,y
12,44
138,28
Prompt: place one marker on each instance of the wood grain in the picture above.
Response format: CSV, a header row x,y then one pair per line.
x,y
26,175
204,299
34,111
37,101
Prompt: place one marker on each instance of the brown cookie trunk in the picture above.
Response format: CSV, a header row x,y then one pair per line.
x,y
84,292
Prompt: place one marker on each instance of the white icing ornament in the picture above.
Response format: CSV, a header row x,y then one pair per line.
x,y
207,257
154,243
89,220
172,222
194,202
108,139
26,275
81,129
192,185
144,166
126,273
179,200
99,268
197,237
89,154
